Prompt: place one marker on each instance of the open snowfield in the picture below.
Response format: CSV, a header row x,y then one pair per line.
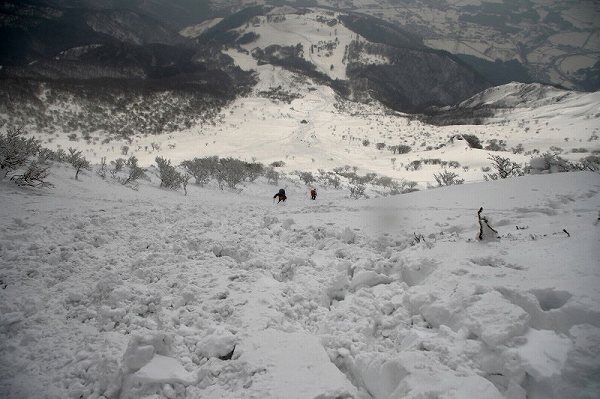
x,y
109,292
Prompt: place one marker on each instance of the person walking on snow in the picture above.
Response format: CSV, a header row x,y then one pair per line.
x,y
313,193
280,195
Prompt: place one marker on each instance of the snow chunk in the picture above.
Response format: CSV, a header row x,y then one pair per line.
x,y
141,349
296,365
163,369
217,344
495,320
348,236
368,278
417,375
545,353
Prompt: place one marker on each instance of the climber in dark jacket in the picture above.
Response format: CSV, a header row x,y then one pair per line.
x,y
280,195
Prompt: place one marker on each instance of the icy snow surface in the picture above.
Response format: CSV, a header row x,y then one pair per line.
x,y
114,293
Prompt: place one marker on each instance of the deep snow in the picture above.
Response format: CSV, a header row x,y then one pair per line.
x,y
110,292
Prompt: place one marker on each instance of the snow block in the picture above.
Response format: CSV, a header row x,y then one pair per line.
x,y
495,320
417,375
163,369
216,344
368,278
296,366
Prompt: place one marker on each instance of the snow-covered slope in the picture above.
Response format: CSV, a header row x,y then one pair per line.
x,y
109,292
533,95
194,31
316,129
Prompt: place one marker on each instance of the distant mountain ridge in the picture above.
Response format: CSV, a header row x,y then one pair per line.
x,y
123,55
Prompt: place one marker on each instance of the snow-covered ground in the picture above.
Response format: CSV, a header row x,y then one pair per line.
x,y
109,292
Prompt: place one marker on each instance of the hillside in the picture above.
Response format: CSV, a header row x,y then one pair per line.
x,y
313,88
554,42
451,251
110,292
105,60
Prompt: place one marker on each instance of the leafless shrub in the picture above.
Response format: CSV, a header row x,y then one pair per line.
x,y
496,145
504,168
357,191
447,178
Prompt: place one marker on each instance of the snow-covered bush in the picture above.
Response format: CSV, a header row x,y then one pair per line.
x,y
272,176
306,177
118,165
504,168
380,146
400,149
472,140
550,163
254,170
33,176
202,169
414,165
169,176
78,161
518,149
102,168
16,150
447,178
408,186
591,162
135,172
230,171
496,145
357,190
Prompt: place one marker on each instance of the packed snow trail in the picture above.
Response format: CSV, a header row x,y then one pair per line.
x,y
116,293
